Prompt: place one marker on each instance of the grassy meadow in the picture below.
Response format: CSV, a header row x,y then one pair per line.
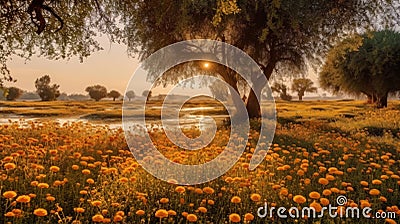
x,y
84,173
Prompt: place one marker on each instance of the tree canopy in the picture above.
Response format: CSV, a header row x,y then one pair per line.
x,y
46,91
303,85
97,92
368,64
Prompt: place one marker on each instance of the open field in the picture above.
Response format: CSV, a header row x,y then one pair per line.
x,y
81,173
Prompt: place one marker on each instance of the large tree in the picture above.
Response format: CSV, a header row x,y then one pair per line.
x,y
46,91
367,64
275,33
303,85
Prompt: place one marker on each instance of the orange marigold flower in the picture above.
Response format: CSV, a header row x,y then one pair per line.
x,y
9,194
161,213
9,214
202,209
180,189
79,210
140,212
374,192
10,166
191,217
314,195
164,200
323,181
43,185
171,212
208,190
234,217
40,212
248,217
96,203
299,199
23,199
255,197
236,199
98,218
118,218
54,169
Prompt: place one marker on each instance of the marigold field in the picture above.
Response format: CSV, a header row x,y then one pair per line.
x,y
84,173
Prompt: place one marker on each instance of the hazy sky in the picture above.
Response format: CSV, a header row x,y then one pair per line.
x,y
110,67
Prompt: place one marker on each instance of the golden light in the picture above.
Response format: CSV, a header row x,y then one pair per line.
x,y
206,65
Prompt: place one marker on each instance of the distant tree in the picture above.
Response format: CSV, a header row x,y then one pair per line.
x,y
30,96
46,91
219,91
114,94
13,93
364,64
63,97
130,94
147,93
78,97
303,85
97,92
282,90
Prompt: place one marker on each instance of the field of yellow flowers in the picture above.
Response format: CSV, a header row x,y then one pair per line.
x,y
82,173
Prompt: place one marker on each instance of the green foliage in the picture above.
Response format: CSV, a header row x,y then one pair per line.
x,y
302,85
97,92
367,64
46,91
13,93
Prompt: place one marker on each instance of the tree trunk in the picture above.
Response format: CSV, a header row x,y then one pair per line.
x,y
253,106
113,99
300,97
381,101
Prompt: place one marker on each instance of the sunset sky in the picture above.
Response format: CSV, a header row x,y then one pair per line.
x,y
110,67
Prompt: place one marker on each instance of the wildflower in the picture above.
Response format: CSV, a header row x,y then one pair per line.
x,y
9,194
161,213
164,200
314,195
40,212
323,181
79,210
54,169
98,218
10,166
171,212
96,203
236,200
23,199
191,217
255,197
43,185
202,209
140,212
299,199
248,217
374,192
234,218
180,189
208,190
118,218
